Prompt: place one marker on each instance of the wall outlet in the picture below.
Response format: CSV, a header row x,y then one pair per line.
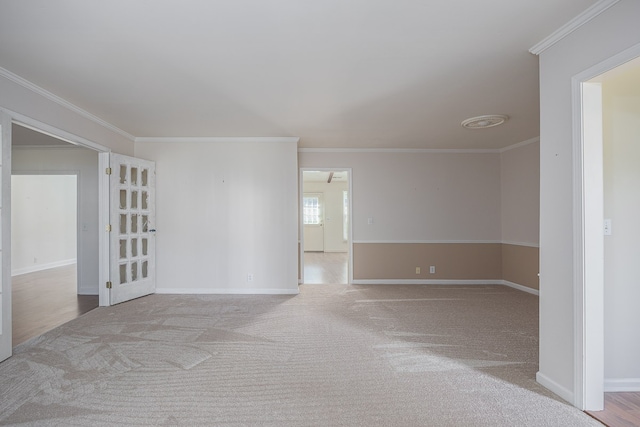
x,y
35,260
432,269
417,270
249,277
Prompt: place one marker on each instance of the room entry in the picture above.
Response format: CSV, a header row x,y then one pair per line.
x,y
313,220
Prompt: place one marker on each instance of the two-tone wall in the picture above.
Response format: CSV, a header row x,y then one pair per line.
x,y
444,209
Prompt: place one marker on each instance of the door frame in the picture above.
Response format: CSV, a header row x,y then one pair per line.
x,y
588,244
301,225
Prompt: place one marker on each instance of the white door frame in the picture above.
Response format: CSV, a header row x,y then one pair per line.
x,y
301,225
588,206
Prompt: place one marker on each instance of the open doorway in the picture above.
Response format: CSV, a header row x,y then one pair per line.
x,y
54,232
325,226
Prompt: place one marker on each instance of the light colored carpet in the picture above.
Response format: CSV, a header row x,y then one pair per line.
x,y
333,356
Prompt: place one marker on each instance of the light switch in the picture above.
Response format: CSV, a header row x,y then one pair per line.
x,y
607,227
369,221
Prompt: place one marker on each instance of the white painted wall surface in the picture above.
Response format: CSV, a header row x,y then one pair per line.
x,y
43,222
333,236
85,162
608,34
226,210
420,196
621,115
520,194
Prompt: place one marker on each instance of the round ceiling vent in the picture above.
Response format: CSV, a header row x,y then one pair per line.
x,y
483,122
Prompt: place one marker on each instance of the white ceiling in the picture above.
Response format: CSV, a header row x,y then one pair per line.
x,y
336,73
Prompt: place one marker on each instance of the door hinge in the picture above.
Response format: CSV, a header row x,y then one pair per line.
x,y
107,171
109,285
108,228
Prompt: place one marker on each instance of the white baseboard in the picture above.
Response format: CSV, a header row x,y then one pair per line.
x,y
40,267
521,288
423,282
546,382
225,291
88,291
622,384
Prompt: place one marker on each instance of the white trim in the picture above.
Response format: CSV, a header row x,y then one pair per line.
x,y
428,241
62,102
527,244
217,139
520,144
572,25
425,282
48,147
104,294
521,287
40,267
622,384
546,382
225,291
400,150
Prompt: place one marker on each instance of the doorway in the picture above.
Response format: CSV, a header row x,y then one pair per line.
x,y
54,235
325,222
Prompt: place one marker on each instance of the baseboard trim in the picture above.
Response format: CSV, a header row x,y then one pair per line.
x,y
548,383
40,267
224,291
521,287
622,384
424,282
88,291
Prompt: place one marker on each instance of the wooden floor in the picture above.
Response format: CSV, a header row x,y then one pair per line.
x,y
46,299
620,410
325,268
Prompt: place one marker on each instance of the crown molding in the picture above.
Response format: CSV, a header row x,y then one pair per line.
x,y
214,139
62,102
572,25
399,150
520,144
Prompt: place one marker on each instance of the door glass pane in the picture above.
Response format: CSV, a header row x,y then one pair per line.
x,y
134,223
134,271
134,176
145,270
145,200
123,199
123,174
134,247
123,223
145,177
144,247
145,223
123,273
123,249
134,200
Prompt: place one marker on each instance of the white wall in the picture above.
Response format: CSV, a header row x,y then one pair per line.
x,y
621,115
608,34
420,196
333,200
225,210
43,222
520,194
85,163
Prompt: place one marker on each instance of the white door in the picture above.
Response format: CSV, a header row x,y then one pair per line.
x,y
313,220
5,242
132,260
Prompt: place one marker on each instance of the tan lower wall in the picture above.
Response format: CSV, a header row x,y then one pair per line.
x,y
520,265
453,261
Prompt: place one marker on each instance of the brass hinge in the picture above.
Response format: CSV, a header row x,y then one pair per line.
x,y
108,228
107,171
109,284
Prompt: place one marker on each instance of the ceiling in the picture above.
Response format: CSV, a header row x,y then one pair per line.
x,y
336,73
325,176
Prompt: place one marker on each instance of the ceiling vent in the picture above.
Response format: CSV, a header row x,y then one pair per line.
x,y
483,122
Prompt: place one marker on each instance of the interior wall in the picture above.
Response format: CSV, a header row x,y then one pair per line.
x,y
621,115
599,39
43,222
333,204
227,215
520,213
85,163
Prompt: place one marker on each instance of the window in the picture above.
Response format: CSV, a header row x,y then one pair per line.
x,y
311,210
345,216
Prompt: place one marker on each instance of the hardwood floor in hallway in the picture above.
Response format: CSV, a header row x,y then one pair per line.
x,y
620,410
45,299
326,268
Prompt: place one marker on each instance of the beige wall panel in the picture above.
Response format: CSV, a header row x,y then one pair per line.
x,y
520,265
453,261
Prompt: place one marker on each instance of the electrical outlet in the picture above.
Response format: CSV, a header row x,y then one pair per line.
x,y
417,270
432,269
249,277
